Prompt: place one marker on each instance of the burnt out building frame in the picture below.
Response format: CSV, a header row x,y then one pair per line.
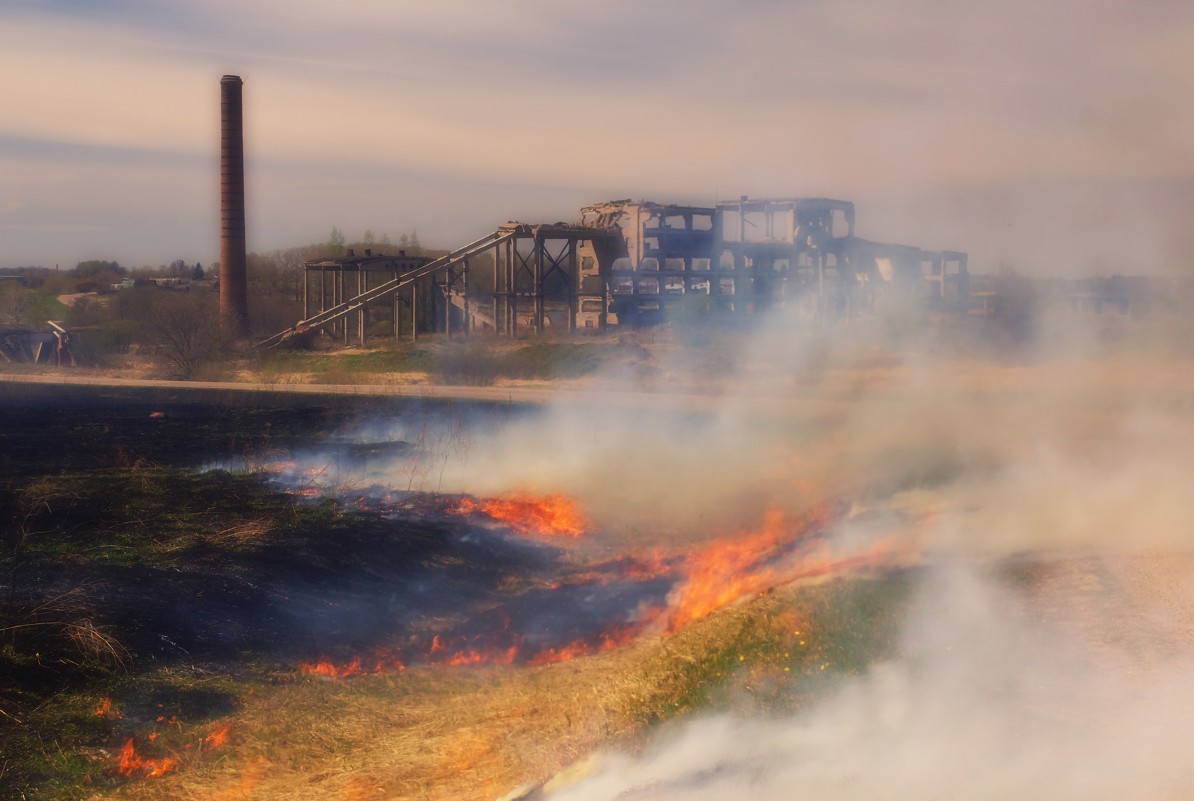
x,y
549,277
662,251
626,262
777,251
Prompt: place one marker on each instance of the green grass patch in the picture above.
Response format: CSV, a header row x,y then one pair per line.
x,y
342,367
481,364
781,651
460,362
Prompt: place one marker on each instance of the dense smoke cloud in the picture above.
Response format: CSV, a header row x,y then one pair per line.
x,y
1129,493
1066,443
1068,459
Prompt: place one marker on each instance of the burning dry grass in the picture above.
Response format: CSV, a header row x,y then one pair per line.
x,y
862,432
477,733
589,607
554,515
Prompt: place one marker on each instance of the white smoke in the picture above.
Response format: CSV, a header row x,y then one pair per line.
x,y
1067,446
1071,685
987,702
1075,686
1128,491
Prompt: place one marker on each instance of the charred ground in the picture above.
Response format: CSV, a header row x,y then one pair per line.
x,y
149,597
122,560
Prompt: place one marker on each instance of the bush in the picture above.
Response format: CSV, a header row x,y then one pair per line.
x,y
95,346
186,330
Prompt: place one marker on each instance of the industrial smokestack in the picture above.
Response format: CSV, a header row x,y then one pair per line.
x,y
234,284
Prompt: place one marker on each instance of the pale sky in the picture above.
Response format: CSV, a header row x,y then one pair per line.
x,y
1045,135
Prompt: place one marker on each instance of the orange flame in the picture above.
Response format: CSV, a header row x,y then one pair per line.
x,y
724,571
332,670
606,642
218,737
549,515
474,656
727,570
128,762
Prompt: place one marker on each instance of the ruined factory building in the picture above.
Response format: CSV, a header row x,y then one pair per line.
x,y
627,263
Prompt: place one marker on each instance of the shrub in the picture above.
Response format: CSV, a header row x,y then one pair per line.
x,y
186,330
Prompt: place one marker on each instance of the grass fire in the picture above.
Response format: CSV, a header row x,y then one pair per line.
x,y
619,599
556,515
888,568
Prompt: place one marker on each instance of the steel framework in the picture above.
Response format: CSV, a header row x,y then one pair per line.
x,y
625,263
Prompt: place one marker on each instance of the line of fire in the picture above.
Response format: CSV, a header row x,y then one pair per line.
x,y
632,263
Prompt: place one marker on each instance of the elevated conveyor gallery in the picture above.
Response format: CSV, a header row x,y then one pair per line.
x,y
536,281
632,263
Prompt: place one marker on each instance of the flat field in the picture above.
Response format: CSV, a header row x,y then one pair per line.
x,y
846,563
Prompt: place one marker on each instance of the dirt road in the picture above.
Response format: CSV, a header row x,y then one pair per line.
x,y
508,395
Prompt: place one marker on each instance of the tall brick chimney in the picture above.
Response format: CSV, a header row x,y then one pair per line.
x,y
234,283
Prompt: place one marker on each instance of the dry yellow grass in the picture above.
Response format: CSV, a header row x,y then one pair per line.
x,y
880,428
479,733
456,733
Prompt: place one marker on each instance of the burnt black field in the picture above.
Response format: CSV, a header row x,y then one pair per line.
x,y
125,552
135,566
162,553
53,428
113,492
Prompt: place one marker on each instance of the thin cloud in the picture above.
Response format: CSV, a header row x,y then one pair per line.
x,y
896,107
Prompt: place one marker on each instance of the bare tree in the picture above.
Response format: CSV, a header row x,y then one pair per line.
x,y
14,300
186,329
